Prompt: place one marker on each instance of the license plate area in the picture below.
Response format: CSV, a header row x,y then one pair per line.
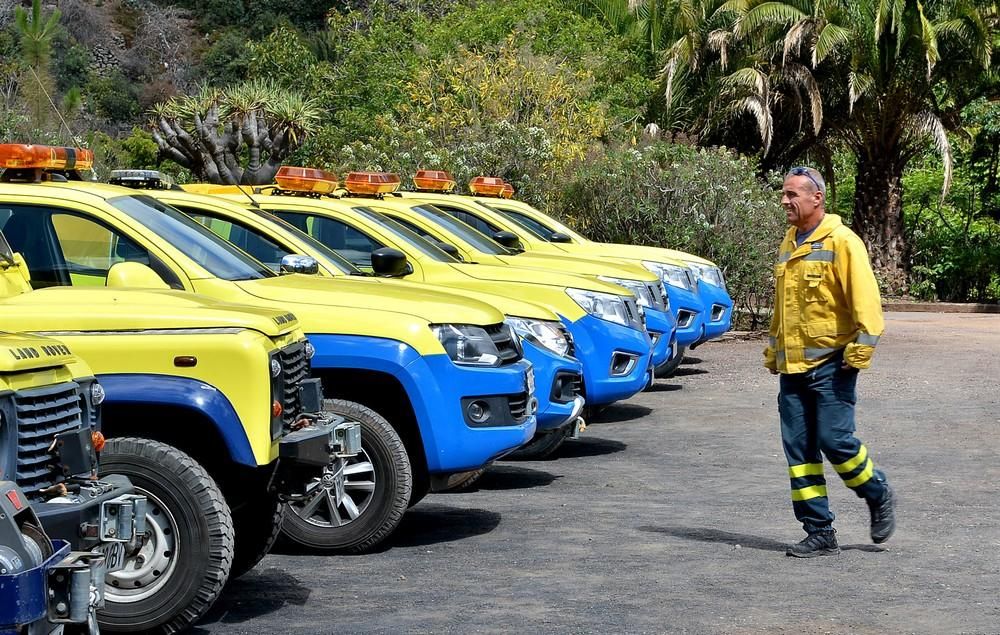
x,y
114,555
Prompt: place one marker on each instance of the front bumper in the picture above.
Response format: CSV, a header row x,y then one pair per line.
x,y
599,345
435,387
94,512
688,309
64,589
718,310
315,445
554,410
661,326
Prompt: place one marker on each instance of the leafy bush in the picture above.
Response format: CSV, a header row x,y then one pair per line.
x,y
702,201
114,98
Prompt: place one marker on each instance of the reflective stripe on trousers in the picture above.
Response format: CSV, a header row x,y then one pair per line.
x,y
817,419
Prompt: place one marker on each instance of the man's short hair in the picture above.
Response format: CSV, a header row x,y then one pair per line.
x,y
812,174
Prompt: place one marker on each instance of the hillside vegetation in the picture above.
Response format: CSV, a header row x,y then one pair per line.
x,y
656,122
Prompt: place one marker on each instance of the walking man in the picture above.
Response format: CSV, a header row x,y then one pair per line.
x,y
827,321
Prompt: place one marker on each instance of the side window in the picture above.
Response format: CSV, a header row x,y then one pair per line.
x,y
89,249
416,229
250,240
528,223
470,219
350,243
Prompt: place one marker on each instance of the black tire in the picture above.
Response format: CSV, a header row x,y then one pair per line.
x,y
380,511
667,369
189,530
542,445
258,525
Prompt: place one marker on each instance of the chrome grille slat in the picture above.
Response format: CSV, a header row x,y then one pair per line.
x,y
41,414
518,406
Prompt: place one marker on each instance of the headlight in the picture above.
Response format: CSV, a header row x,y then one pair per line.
x,y
467,344
674,275
545,334
606,306
310,350
275,367
96,394
708,273
637,287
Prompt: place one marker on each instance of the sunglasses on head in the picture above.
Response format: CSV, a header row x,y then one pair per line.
x,y
804,171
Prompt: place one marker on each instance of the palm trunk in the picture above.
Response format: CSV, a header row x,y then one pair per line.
x,y
878,217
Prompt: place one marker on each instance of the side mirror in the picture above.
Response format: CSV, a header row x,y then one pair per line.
x,y
294,263
507,239
559,237
134,274
390,263
449,249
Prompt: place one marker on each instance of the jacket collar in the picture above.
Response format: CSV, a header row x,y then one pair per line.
x,y
829,223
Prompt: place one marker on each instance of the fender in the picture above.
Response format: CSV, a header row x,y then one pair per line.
x,y
184,392
391,357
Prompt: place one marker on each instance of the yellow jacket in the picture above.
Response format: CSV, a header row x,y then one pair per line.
x,y
826,299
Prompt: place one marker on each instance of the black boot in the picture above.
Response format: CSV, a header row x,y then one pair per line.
x,y
818,543
883,516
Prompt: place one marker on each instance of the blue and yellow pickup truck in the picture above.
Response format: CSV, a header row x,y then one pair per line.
x,y
546,343
604,319
696,286
421,364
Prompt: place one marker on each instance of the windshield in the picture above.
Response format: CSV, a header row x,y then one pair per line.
x,y
408,236
476,239
332,258
217,256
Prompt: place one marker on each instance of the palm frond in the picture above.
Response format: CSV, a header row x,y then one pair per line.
x,y
803,78
858,84
928,37
794,37
928,124
767,13
757,107
831,37
718,41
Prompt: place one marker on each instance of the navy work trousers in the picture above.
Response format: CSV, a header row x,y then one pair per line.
x,y
817,415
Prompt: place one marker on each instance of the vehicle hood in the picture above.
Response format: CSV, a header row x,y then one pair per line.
x,y
64,309
580,264
426,303
635,252
20,352
521,275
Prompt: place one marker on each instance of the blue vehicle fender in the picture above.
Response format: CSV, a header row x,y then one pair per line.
x,y
184,392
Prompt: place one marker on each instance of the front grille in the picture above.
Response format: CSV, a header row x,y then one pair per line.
x,y
294,368
570,347
506,342
658,294
519,406
636,318
41,414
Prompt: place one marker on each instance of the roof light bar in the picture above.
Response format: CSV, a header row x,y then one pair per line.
x,y
371,183
487,185
142,179
507,191
433,181
311,180
42,157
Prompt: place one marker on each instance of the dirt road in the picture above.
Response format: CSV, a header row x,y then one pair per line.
x,y
672,514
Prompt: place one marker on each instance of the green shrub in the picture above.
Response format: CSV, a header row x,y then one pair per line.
x,y
702,201
114,98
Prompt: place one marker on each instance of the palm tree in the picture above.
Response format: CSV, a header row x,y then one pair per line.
x,y
881,78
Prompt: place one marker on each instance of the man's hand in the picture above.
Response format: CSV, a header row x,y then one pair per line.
x,y
773,371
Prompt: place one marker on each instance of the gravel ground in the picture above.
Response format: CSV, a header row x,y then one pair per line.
x,y
672,514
